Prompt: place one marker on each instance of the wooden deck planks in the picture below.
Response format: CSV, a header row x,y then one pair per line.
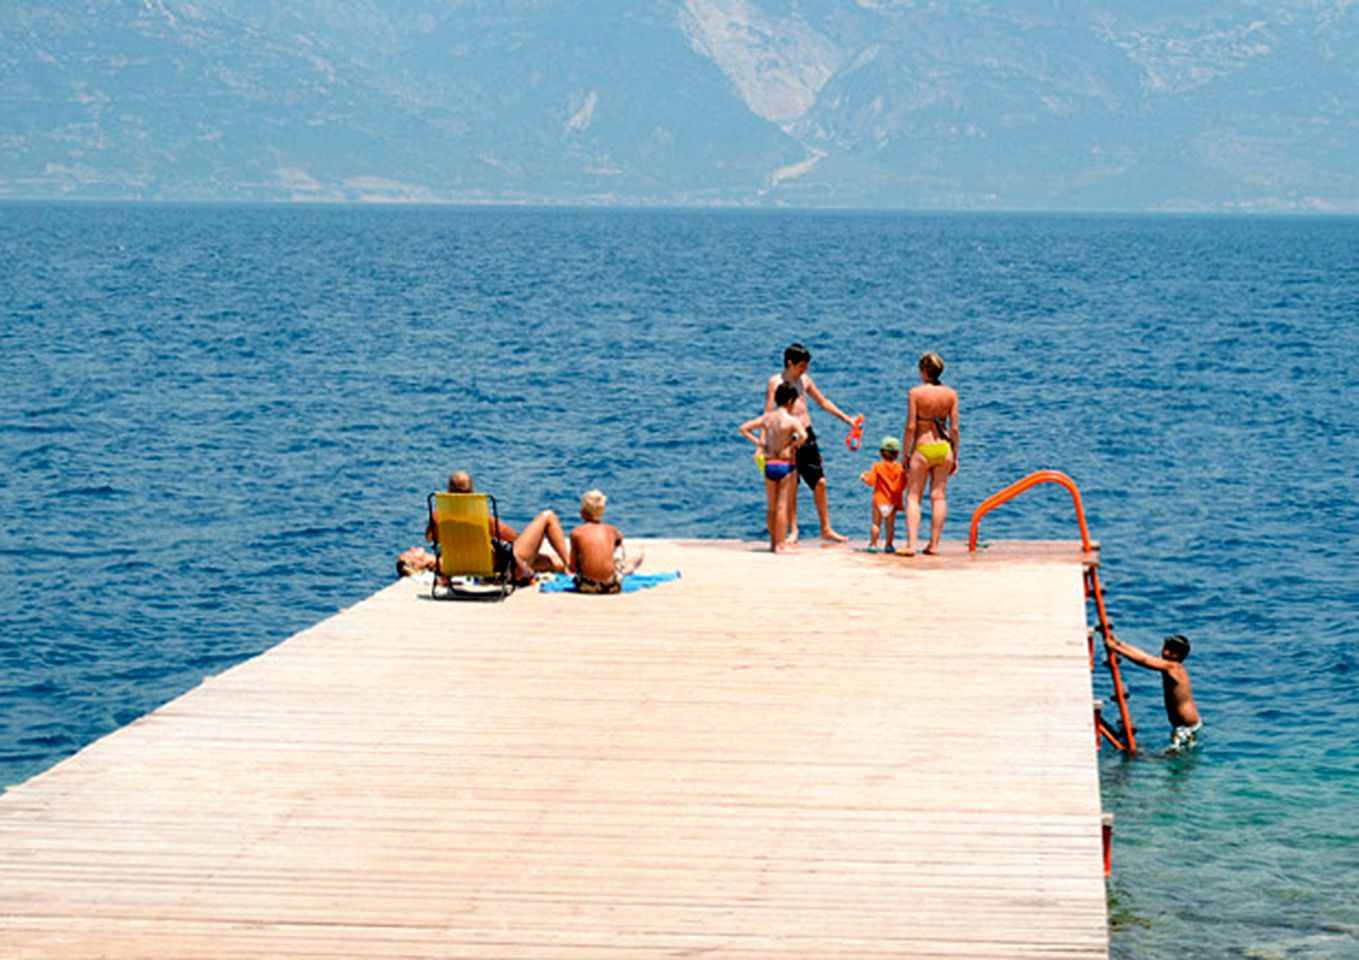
x,y
826,754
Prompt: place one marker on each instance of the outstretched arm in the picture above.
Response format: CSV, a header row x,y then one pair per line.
x,y
1139,657
823,401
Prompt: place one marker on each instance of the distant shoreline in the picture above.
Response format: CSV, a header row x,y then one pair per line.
x,y
577,206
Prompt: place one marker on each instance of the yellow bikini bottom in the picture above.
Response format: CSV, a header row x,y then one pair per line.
x,y
936,453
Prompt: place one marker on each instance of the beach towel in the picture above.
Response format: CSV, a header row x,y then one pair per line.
x,y
631,584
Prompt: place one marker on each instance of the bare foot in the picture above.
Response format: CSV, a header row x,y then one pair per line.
x,y
832,536
786,547
931,550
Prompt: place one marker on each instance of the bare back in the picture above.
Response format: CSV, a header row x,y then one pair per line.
x,y
592,547
1180,708
781,429
930,402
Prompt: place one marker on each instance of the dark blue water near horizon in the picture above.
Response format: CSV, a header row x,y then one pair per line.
x,y
218,425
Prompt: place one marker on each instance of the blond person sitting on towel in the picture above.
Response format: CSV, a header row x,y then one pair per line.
x,y
598,559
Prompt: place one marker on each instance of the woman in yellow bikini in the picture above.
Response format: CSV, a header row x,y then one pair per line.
x,y
930,441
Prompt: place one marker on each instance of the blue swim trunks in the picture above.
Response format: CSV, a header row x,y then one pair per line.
x,y
778,469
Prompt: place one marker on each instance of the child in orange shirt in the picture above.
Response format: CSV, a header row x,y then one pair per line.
x,y
888,480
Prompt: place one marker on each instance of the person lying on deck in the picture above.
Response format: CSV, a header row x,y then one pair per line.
x,y
524,548
597,556
414,562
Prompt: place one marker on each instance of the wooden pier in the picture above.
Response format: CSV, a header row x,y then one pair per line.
x,y
829,754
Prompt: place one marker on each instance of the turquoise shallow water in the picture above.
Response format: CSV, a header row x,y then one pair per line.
x,y
217,425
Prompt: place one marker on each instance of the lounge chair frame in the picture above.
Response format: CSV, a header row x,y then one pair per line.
x,y
493,585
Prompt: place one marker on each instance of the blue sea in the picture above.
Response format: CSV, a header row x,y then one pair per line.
x,y
218,425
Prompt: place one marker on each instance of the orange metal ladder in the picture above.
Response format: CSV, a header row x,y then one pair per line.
x,y
1093,590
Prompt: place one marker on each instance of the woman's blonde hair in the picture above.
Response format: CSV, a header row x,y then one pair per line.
x,y
932,365
592,504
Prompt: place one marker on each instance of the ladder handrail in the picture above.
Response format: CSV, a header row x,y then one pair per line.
x,y
1092,579
1018,487
1106,630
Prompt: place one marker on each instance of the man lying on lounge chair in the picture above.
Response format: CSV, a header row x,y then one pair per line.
x,y
525,548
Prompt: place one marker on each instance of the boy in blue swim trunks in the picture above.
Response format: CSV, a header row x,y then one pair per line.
x,y
1184,716
777,436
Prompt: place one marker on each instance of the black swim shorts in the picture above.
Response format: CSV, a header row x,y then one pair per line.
x,y
809,460
502,554
504,560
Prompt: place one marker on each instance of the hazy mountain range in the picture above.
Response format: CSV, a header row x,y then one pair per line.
x,y
1213,105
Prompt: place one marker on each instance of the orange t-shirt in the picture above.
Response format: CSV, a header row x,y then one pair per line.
x,y
888,480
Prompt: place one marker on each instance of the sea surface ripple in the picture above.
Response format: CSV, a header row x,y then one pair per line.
x,y
218,425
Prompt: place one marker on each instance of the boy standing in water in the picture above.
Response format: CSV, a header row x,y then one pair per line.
x,y
1180,710
888,479
777,435
796,360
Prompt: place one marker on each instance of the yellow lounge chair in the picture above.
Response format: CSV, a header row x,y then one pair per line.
x,y
466,568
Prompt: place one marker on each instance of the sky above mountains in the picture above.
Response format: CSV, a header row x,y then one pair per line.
x,y
1226,105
